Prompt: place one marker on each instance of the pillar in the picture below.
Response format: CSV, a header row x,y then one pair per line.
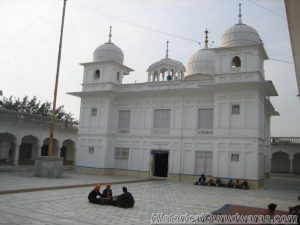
x,y
149,76
291,164
16,156
59,146
39,150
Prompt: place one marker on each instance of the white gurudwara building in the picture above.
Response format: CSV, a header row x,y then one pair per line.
x,y
212,117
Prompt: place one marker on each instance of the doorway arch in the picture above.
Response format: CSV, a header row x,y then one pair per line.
x,y
45,147
68,152
280,162
29,150
8,148
296,163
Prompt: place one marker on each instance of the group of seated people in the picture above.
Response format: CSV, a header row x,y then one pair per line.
x,y
124,200
218,183
293,210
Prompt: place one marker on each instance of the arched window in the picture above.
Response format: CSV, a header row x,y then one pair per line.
x,y
97,74
236,62
118,76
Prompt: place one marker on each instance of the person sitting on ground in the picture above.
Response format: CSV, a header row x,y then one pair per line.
x,y
245,185
295,209
271,208
230,183
125,200
219,183
201,180
107,193
211,182
237,183
94,193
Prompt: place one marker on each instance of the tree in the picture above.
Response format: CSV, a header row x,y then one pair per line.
x,y
34,106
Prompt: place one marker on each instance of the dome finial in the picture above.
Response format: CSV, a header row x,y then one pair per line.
x,y
167,50
206,38
240,13
109,40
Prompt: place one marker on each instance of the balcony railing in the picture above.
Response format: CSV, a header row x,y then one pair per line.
x,y
285,140
9,115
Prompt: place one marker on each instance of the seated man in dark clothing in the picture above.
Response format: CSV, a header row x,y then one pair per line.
x,y
107,193
125,200
245,185
94,193
271,208
295,209
230,183
201,180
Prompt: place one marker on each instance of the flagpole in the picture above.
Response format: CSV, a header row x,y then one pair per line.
x,y
52,122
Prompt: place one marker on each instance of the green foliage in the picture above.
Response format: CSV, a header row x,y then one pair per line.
x,y
34,106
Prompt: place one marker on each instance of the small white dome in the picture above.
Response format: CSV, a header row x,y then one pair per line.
x,y
240,34
165,65
202,62
107,52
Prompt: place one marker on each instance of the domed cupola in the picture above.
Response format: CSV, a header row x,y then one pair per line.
x,y
240,34
108,52
202,63
166,69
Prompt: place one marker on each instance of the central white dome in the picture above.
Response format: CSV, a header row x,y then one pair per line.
x,y
240,34
108,52
202,62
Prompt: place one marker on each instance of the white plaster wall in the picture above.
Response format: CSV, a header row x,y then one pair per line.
x,y
84,158
246,168
245,124
250,61
184,115
108,73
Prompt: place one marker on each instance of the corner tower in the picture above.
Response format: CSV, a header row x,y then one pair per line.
x,y
107,66
241,51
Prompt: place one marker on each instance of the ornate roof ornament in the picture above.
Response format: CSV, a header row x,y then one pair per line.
x,y
240,13
167,50
206,38
110,35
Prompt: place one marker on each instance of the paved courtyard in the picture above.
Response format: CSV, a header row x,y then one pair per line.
x,y
70,206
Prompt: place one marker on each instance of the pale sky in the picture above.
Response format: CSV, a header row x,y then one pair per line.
x,y
30,33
